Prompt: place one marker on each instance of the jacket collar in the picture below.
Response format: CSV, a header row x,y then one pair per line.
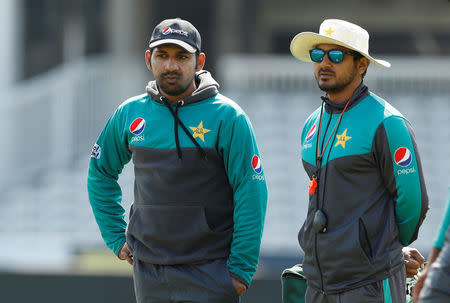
x,y
360,93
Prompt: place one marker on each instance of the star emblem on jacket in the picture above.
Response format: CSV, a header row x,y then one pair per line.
x,y
342,138
199,131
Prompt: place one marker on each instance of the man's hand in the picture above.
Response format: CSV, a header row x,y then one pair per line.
x,y
240,287
413,261
125,254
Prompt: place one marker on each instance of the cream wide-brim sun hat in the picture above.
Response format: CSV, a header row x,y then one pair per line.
x,y
334,31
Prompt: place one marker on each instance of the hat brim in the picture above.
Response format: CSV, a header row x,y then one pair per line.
x,y
183,44
304,42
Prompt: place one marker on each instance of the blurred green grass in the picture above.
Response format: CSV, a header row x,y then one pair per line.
x,y
101,262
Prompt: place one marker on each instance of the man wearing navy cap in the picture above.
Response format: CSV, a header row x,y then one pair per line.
x,y
200,193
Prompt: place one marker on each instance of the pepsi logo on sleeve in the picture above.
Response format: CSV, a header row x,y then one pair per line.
x,y
256,164
403,157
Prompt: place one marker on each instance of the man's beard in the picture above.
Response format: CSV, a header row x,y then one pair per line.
x,y
172,90
338,86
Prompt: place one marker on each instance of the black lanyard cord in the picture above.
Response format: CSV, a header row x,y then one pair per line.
x,y
314,184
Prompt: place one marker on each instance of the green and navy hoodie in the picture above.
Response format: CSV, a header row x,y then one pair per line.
x,y
369,186
200,192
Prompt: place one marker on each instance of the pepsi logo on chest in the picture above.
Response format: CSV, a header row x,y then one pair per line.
x,y
311,133
137,126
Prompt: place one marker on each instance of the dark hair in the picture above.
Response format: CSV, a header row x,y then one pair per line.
x,y
356,57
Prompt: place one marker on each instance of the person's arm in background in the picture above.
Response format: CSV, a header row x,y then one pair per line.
x,y
434,253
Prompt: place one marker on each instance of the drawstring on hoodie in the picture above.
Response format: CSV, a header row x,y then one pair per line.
x,y
177,122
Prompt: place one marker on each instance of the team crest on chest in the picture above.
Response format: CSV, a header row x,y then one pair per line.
x,y
199,131
342,138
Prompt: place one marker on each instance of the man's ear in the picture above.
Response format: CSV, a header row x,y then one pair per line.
x,y
148,57
363,64
200,61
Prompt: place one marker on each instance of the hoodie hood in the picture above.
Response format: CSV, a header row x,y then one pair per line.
x,y
205,83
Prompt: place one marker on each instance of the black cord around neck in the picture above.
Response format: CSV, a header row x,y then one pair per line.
x,y
177,122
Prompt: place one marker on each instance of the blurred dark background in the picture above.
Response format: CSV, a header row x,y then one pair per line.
x,y
52,27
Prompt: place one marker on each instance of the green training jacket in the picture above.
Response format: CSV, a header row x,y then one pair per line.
x,y
370,189
200,191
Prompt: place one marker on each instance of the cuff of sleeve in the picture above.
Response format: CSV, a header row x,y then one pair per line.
x,y
119,250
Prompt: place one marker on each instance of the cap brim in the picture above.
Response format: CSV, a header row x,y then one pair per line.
x,y
304,42
183,44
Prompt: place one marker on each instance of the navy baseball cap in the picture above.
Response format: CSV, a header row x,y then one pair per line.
x,y
176,31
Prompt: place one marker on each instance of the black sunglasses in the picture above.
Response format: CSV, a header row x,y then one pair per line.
x,y
335,55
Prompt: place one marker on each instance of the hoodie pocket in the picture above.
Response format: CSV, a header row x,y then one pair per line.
x,y
364,241
172,229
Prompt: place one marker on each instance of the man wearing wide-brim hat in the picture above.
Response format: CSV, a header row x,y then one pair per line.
x,y
367,196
